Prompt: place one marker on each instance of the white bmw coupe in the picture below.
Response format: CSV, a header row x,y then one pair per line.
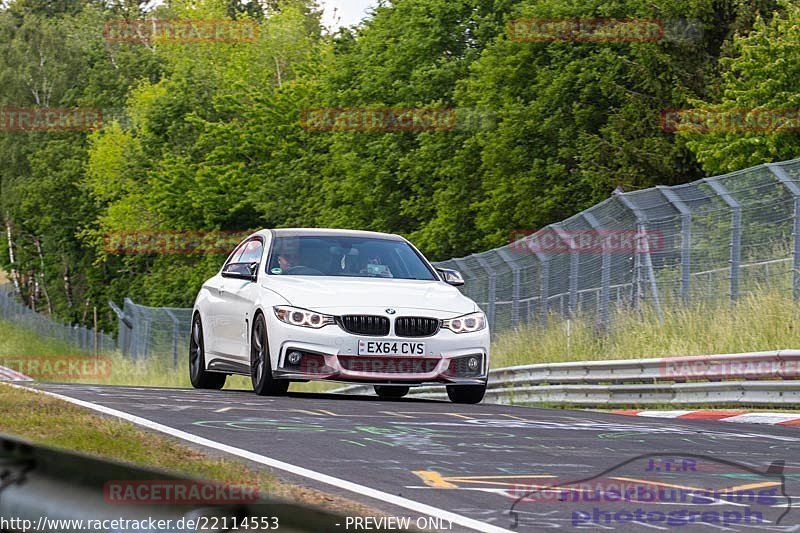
x,y
352,306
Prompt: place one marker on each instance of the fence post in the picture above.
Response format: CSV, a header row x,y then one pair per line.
x,y
736,233
175,333
468,275
605,270
642,251
515,284
134,328
686,239
124,326
794,189
544,287
573,268
491,297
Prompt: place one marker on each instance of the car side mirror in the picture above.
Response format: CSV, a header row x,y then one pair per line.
x,y
451,277
245,271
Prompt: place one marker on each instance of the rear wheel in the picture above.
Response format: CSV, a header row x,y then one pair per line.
x,y
260,366
466,393
386,391
199,376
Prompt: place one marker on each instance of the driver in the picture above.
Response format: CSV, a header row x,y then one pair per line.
x,y
287,260
288,254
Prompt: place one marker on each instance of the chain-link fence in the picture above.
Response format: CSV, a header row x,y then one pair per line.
x,y
86,339
147,331
713,239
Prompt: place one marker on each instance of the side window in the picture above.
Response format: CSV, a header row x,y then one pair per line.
x,y
237,254
251,252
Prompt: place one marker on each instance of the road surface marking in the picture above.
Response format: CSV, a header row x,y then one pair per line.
x,y
363,490
392,413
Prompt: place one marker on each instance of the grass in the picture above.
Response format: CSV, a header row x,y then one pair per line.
x,y
17,343
50,421
765,320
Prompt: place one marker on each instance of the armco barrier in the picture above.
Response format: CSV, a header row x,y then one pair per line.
x,y
41,485
7,374
757,378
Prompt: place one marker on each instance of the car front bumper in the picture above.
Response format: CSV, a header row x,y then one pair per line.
x,y
331,353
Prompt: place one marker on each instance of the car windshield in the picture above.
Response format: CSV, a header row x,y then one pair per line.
x,y
361,257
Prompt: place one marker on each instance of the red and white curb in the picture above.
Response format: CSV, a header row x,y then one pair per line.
x,y
6,374
743,417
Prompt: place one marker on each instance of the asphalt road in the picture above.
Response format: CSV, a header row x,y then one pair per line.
x,y
511,467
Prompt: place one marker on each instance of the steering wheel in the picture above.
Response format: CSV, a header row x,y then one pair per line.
x,y
301,270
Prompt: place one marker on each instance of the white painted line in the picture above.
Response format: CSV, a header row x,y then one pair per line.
x,y
762,418
663,414
280,465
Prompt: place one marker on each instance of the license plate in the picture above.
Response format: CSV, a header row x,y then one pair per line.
x,y
390,347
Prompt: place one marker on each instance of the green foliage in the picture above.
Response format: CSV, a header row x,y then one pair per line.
x,y
760,76
208,136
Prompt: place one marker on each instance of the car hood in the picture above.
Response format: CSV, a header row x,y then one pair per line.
x,y
327,293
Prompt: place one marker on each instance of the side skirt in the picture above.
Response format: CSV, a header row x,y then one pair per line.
x,y
228,367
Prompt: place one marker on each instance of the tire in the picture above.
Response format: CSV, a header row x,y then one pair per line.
x,y
390,392
260,365
466,393
199,376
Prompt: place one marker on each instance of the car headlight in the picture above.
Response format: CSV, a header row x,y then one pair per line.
x,y
466,324
302,317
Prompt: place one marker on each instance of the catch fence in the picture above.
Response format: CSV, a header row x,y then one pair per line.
x,y
713,240
83,338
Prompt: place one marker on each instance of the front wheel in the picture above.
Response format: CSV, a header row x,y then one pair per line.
x,y
466,393
199,376
260,366
388,392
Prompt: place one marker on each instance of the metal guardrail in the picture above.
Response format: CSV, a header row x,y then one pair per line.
x,y
7,374
757,378
43,485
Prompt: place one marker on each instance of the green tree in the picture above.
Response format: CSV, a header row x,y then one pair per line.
x,y
759,81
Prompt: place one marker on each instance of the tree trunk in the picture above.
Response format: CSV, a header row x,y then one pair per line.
x,y
68,287
42,282
12,262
